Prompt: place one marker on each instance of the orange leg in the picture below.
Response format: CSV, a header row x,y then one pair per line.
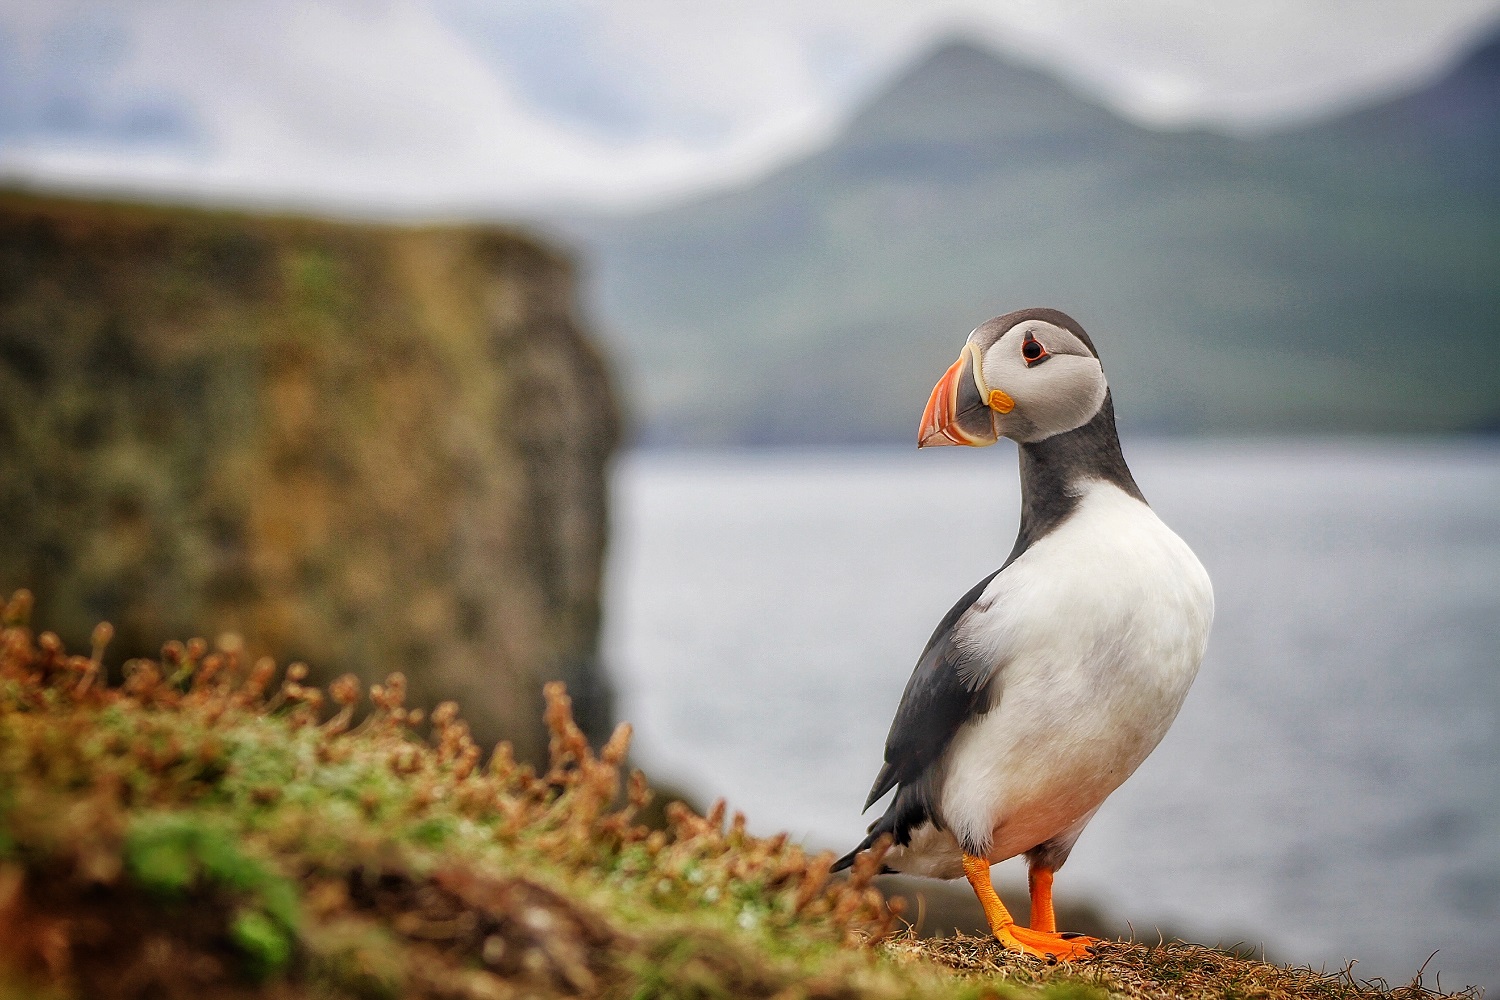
x,y
1003,925
1039,880
1043,920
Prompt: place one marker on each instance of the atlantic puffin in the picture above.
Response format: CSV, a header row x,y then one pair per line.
x,y
1051,680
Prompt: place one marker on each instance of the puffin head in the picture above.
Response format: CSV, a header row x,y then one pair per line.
x,y
1026,375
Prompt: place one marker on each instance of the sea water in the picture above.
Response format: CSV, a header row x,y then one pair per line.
x,y
1331,789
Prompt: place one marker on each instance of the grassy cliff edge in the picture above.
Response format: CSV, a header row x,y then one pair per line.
x,y
213,827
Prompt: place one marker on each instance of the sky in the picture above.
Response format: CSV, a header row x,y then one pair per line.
x,y
398,106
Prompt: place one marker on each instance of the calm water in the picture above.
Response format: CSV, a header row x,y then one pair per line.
x,y
1332,786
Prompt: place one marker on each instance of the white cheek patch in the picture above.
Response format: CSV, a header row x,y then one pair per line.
x,y
1061,394
1066,397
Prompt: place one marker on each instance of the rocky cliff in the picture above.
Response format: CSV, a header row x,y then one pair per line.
x,y
368,447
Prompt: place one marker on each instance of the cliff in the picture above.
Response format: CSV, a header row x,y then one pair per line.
x,y
367,447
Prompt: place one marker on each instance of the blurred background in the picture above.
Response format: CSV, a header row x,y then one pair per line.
x,y
502,342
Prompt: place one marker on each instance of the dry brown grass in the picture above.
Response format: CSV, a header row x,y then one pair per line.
x,y
1174,969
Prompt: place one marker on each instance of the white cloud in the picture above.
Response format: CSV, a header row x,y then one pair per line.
x,y
1248,64
354,104
460,103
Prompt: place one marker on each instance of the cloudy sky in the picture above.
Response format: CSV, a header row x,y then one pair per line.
x,y
398,105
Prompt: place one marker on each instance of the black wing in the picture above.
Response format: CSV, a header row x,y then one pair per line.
x,y
936,703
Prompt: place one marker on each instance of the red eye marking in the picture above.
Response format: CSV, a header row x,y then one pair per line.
x,y
1033,351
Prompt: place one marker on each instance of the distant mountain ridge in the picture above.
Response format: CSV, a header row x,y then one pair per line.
x,y
1340,276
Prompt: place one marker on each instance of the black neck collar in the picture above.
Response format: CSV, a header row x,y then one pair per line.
x,y
1054,470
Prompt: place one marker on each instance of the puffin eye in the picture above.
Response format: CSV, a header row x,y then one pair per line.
x,y
1033,351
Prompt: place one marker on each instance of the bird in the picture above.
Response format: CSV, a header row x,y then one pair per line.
x,y
1054,677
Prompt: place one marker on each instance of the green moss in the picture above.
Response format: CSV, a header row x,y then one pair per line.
x,y
432,832
266,943
174,854
162,859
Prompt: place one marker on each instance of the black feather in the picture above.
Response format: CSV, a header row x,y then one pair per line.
x,y
935,704
907,811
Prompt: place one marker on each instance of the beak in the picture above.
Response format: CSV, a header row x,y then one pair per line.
x,y
962,408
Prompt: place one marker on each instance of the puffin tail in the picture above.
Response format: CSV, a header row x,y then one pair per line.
x,y
907,810
848,860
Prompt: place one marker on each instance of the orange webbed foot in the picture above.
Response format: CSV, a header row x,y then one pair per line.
x,y
1043,944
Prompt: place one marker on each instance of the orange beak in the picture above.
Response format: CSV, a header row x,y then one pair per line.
x,y
962,408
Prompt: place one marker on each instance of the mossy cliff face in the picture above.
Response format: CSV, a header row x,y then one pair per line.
x,y
371,448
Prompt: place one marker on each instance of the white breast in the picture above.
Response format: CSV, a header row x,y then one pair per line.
x,y
1096,633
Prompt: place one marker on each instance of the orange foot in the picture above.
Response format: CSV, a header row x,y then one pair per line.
x,y
1044,945
1041,943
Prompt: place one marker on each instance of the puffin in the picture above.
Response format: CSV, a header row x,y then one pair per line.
x,y
1054,677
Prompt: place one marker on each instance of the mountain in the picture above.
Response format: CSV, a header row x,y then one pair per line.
x,y
1340,276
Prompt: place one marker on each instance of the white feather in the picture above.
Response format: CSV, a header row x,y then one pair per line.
x,y
1096,632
